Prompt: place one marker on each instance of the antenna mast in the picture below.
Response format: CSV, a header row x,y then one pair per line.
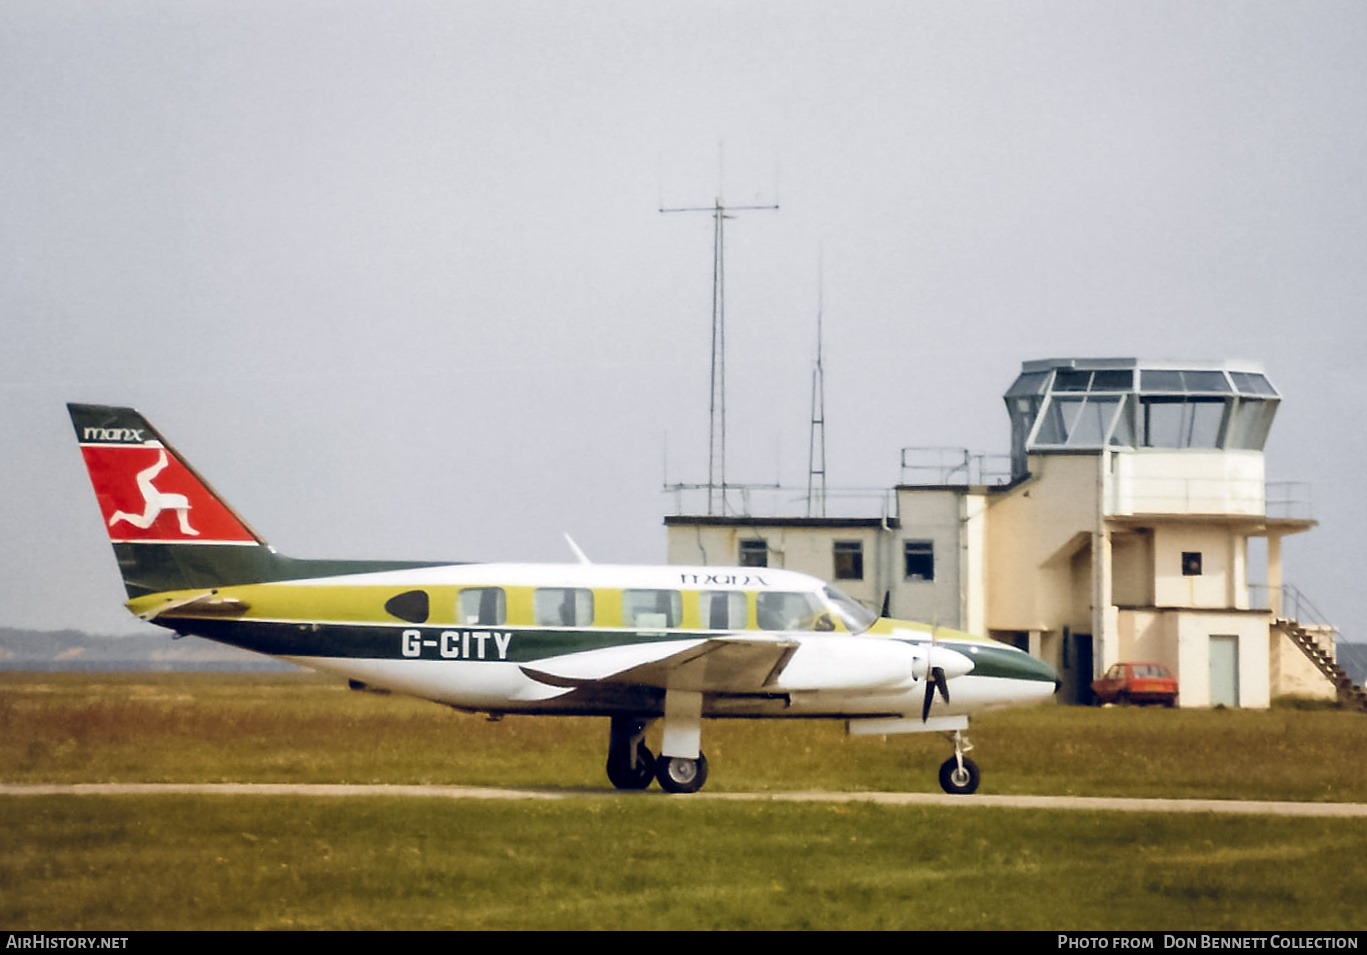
x,y
716,447
816,447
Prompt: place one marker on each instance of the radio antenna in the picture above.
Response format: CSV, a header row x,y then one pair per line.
x,y
816,447
716,447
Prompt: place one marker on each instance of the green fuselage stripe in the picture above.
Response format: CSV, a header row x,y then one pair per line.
x,y
414,642
503,644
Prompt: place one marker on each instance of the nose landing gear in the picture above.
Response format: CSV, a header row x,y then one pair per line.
x,y
959,775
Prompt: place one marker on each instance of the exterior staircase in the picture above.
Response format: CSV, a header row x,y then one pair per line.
x,y
1349,695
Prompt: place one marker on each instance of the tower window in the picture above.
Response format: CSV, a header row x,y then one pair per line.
x,y
920,560
754,553
849,560
1191,563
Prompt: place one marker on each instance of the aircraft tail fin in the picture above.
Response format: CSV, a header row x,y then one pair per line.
x,y
170,529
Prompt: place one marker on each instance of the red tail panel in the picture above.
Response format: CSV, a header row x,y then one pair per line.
x,y
147,495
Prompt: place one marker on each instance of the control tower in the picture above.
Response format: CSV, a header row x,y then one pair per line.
x,y
1132,523
1137,487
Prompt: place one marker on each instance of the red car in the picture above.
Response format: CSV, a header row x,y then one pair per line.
x,y
1140,683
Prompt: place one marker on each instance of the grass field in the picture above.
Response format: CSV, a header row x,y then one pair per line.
x,y
650,860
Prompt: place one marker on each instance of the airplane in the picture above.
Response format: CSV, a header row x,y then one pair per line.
x,y
634,644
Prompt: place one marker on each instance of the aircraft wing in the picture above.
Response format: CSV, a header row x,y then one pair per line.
x,y
746,664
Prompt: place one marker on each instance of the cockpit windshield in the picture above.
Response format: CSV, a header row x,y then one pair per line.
x,y
856,617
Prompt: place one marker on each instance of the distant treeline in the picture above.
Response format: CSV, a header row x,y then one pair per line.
x,y
76,650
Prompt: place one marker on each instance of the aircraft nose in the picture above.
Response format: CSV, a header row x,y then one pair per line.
x,y
1008,663
1022,666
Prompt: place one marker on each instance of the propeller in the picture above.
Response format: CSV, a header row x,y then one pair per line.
x,y
935,680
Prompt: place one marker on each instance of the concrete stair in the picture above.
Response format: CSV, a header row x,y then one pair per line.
x,y
1349,695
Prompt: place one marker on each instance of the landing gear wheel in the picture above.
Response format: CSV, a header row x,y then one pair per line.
x,y
623,775
679,775
956,781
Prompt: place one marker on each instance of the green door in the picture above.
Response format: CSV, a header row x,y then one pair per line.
x,y
1224,670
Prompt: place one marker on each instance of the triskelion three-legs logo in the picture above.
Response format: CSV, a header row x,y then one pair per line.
x,y
154,502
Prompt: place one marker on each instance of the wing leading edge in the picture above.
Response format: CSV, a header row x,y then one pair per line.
x,y
711,665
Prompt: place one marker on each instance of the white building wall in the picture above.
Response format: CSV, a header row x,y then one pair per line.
x,y
931,515
1194,633
1188,481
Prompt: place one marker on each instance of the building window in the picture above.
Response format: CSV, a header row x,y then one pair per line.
x,y
754,553
920,560
849,560
1191,563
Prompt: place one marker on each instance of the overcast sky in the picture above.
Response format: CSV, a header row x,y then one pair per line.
x,y
394,277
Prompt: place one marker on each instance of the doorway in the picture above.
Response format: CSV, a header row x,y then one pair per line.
x,y
1224,670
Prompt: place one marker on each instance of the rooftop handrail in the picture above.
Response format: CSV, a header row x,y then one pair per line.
x,y
781,501
954,467
1289,499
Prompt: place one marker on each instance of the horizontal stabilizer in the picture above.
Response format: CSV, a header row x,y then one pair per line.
x,y
204,604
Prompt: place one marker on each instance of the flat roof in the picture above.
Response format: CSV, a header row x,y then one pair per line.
x,y
832,522
1101,364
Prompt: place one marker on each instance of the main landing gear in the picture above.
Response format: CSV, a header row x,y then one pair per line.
x,y
631,765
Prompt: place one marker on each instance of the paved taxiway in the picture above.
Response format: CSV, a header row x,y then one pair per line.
x,y
1086,803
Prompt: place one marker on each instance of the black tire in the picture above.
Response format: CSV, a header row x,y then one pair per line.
x,y
958,783
625,776
679,775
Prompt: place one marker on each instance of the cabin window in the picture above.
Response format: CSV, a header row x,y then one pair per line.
x,y
788,611
1191,563
754,553
563,607
723,609
652,609
411,605
856,617
482,607
849,560
920,560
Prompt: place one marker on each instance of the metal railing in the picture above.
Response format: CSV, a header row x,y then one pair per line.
x,y
1289,500
954,467
778,501
1295,606
1184,494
